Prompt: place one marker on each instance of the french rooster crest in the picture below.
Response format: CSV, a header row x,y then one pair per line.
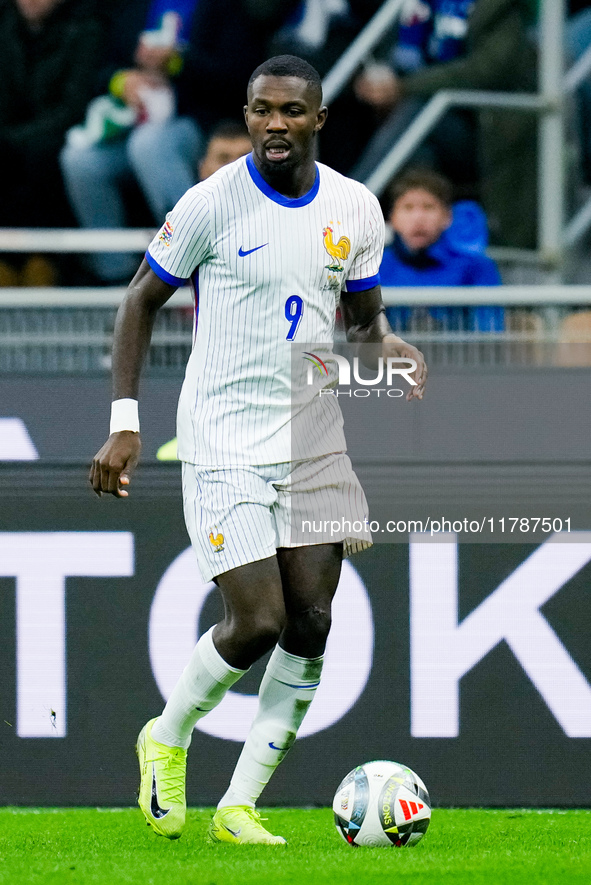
x,y
339,251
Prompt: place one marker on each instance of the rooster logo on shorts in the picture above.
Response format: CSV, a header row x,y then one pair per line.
x,y
216,541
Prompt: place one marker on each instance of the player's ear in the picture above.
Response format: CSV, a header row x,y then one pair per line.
x,y
245,110
321,118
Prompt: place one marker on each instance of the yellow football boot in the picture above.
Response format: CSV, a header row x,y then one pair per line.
x,y
241,825
162,784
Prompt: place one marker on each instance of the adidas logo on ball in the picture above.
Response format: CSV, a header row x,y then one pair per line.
x,y
382,803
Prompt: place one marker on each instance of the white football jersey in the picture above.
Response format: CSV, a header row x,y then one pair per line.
x,y
267,272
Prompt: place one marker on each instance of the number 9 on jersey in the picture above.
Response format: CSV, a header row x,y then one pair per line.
x,y
294,310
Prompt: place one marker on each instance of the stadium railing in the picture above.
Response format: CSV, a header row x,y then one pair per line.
x,y
555,237
555,86
71,330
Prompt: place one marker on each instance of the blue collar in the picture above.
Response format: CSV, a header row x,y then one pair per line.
x,y
275,195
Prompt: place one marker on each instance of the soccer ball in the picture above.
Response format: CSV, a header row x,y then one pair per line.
x,y
382,803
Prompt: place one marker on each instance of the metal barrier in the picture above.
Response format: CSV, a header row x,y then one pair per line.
x,y
548,103
70,331
75,334
555,236
340,74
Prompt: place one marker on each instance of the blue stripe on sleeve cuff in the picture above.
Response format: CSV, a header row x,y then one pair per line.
x,y
163,274
361,285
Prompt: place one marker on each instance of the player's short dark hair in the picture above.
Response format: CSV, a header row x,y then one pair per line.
x,y
289,66
228,129
423,179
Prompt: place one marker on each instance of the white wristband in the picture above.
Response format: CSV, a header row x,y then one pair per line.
x,y
125,416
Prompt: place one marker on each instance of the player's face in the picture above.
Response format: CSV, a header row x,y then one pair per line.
x,y
221,151
419,218
282,116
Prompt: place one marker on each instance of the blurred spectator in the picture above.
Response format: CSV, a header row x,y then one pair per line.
x,y
463,44
135,132
425,252
316,26
229,39
49,53
227,142
429,33
226,40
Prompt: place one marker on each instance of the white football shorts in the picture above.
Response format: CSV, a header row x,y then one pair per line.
x,y
237,515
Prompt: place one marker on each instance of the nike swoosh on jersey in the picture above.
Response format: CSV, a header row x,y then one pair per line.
x,y
273,747
243,252
154,807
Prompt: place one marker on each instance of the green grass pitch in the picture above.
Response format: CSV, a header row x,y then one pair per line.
x,y
476,846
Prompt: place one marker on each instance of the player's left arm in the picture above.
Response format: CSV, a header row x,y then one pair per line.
x,y
364,316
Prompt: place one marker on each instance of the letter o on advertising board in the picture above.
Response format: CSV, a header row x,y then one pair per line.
x,y
174,619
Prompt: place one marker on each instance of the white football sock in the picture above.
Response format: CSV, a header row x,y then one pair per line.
x,y
204,682
287,690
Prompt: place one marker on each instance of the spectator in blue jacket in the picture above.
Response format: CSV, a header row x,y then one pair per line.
x,y
425,252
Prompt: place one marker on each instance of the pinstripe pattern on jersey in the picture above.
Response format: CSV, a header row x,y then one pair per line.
x,y
237,400
195,285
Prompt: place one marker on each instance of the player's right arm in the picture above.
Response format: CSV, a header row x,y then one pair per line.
x,y
114,463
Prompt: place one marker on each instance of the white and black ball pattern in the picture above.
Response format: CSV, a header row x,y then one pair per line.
x,y
382,803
